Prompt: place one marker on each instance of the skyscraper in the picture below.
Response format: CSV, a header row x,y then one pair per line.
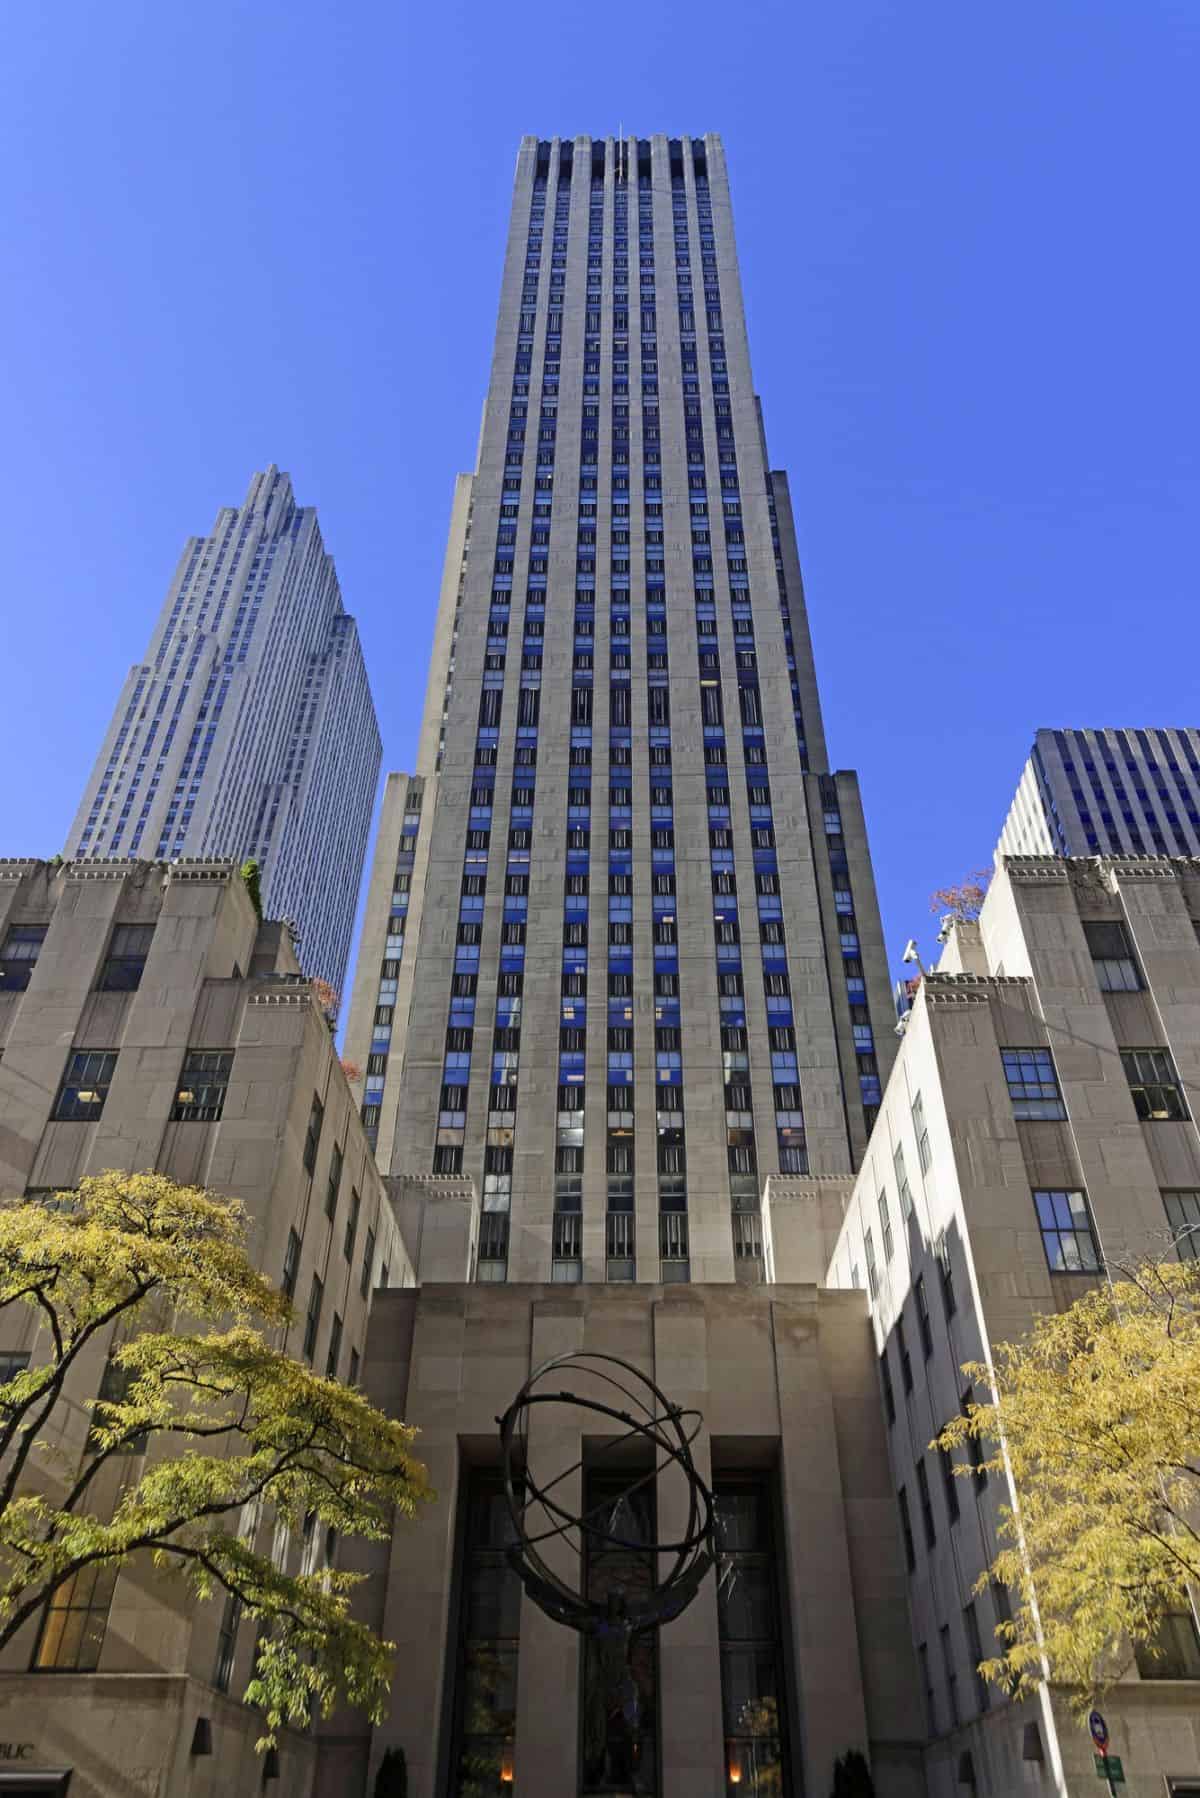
x,y
249,729
1107,792
622,957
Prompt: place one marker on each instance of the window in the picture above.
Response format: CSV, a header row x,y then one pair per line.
x,y
902,1187
19,954
951,1675
1175,1651
1112,956
1183,1215
974,1445
200,1095
351,1223
312,1318
1067,1236
127,951
910,1548
231,1616
335,1348
312,1136
749,1630
946,1274
85,1085
905,1357
885,1225
1033,1084
1154,1085
927,1690
924,1152
924,1322
75,1622
364,1284
11,1364
975,1651
949,1483
291,1264
926,1503
335,1180
487,1644
889,1396
352,1372
872,1270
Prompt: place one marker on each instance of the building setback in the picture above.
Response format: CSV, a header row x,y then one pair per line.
x,y
1040,1121
249,728
1107,792
622,958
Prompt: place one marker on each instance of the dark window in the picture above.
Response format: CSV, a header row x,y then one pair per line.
x,y
889,1396
1033,1084
364,1284
1067,1235
750,1632
949,1483
312,1136
1157,1093
486,1644
951,1675
926,1503
905,1357
975,1651
127,951
1174,1652
85,1085
351,1223
1112,956
200,1095
312,1320
17,957
910,1547
231,1616
291,1264
335,1180
335,1348
924,1322
946,1274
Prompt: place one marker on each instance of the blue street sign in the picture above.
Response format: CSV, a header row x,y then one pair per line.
x,y
1099,1730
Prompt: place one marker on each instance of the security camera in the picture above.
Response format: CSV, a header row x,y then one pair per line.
x,y
945,927
911,952
901,1026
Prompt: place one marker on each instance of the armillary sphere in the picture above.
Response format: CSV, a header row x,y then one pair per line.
x,y
622,1395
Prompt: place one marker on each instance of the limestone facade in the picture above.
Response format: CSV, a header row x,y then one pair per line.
x,y
1076,961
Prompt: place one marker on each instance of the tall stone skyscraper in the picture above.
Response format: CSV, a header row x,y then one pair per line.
x,y
249,729
622,958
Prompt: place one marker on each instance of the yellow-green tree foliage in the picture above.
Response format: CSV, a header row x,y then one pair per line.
x,y
1096,1416
212,1423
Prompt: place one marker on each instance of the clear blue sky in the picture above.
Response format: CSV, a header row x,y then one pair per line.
x,y
243,233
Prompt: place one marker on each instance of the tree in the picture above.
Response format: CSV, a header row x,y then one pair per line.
x,y
328,998
352,1070
210,1424
964,900
252,877
1095,1419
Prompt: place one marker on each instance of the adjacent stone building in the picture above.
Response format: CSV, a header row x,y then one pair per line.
x,y
1040,1119
1107,792
149,1021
